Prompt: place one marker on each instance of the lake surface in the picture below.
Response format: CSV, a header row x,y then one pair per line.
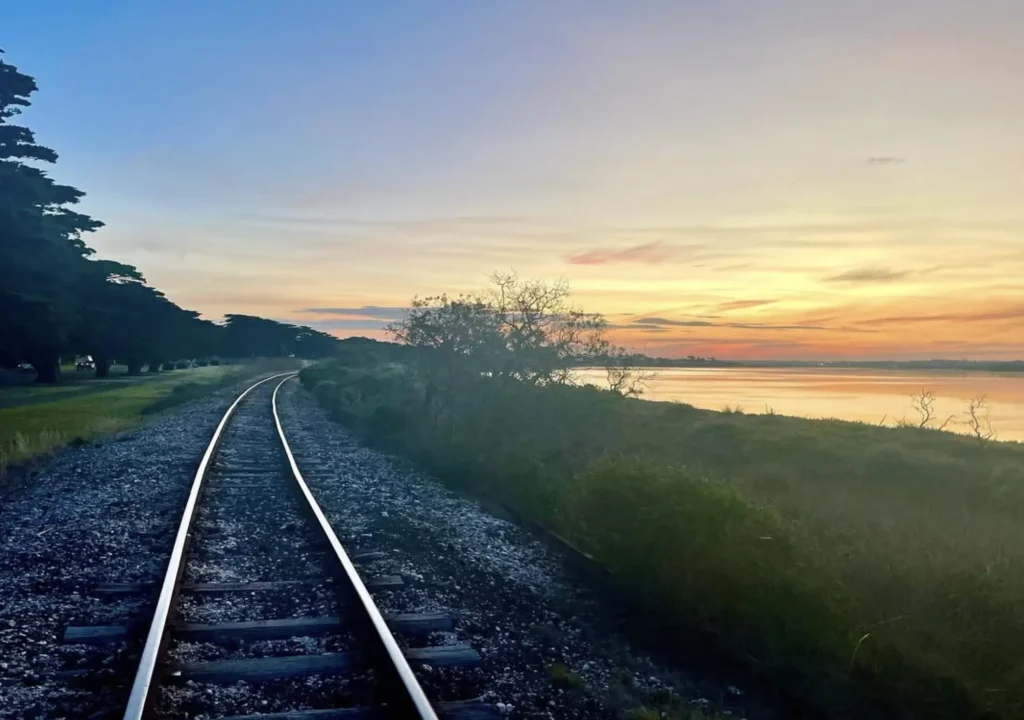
x,y
848,394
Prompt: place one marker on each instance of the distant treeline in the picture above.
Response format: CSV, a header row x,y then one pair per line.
x,y
353,348
974,365
57,299
641,360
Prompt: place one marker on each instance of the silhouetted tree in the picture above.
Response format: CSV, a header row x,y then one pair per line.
x,y
42,254
56,299
251,336
520,330
311,344
109,305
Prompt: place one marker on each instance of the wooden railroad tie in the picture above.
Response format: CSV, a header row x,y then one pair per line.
x,y
273,668
381,582
260,629
464,710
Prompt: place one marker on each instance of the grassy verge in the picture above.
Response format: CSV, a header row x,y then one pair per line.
x,y
43,419
869,571
78,385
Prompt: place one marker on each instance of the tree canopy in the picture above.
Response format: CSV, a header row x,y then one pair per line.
x,y
519,330
251,336
56,298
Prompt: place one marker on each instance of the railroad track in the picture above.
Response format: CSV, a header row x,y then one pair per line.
x,y
262,613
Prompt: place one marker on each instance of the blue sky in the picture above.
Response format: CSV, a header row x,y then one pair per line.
x,y
787,161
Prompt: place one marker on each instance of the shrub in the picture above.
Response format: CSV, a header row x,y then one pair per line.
x,y
701,550
859,567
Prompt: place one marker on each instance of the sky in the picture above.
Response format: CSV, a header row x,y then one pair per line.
x,y
782,179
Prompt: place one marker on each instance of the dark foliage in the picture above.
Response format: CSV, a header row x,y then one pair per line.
x,y
870,572
250,336
56,299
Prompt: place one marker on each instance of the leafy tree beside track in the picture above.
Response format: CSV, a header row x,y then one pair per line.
x,y
43,259
57,299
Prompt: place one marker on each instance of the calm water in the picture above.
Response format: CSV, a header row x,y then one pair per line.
x,y
848,394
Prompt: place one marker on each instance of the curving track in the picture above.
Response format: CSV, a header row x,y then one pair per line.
x,y
262,613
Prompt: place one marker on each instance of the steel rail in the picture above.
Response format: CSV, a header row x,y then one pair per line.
x,y
140,698
415,698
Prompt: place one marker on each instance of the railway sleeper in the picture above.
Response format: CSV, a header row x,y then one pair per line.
x,y
380,582
229,483
289,666
302,550
464,710
413,623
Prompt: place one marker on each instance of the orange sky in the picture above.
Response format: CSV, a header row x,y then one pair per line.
x,y
786,179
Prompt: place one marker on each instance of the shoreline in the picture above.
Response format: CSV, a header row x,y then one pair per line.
x,y
868,396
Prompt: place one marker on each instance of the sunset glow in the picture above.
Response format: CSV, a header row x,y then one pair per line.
x,y
784,180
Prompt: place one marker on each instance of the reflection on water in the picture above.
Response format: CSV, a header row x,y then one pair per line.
x,y
866,395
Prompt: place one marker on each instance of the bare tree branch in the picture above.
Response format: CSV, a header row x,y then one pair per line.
x,y
624,378
924,404
977,420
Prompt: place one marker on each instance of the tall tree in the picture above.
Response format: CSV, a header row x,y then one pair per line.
x,y
108,311
310,343
54,297
42,254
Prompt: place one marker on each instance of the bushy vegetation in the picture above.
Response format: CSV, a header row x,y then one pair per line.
x,y
867,570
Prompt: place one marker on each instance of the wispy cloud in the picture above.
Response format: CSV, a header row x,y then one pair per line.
x,y
346,324
649,322
743,304
868,275
647,329
376,312
660,321
652,252
886,160
1011,313
767,326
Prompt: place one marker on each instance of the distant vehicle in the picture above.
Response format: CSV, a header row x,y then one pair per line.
x,y
25,368
84,362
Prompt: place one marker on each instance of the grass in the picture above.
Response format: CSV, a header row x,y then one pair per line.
x,y
20,388
564,677
76,384
869,571
630,702
43,419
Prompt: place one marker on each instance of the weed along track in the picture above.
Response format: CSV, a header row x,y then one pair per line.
x,y
261,611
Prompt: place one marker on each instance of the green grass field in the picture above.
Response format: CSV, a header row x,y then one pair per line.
x,y
75,384
35,420
872,572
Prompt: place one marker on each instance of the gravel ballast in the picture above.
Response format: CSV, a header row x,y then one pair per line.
x,y
550,649
105,512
